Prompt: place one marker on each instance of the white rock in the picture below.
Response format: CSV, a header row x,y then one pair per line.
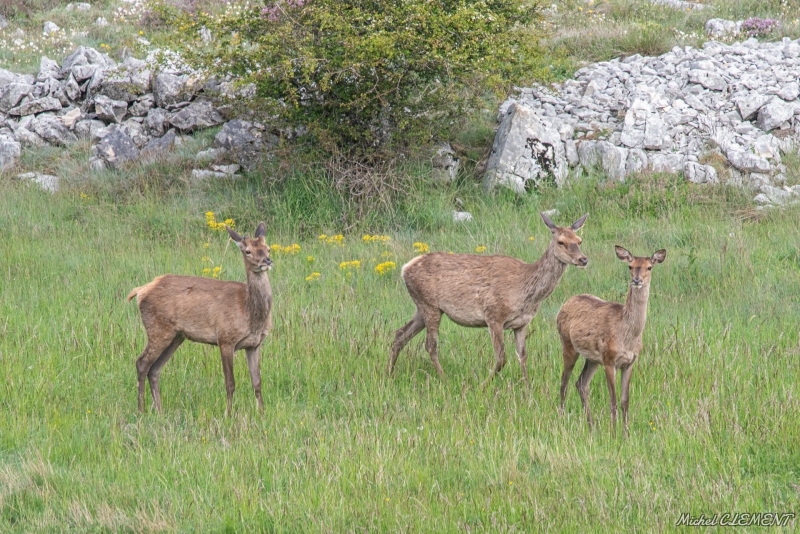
x,y
527,148
47,182
774,114
202,174
462,216
226,169
789,92
69,118
50,28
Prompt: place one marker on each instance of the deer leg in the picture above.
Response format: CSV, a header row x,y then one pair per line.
x,y
253,365
432,339
227,369
583,386
626,382
519,341
155,370
156,345
570,358
496,333
403,336
611,380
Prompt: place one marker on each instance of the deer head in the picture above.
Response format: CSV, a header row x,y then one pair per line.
x,y
254,251
640,266
566,243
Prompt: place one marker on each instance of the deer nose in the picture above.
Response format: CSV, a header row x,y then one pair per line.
x,y
267,261
583,261
637,281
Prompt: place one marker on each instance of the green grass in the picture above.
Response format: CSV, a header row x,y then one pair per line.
x,y
342,447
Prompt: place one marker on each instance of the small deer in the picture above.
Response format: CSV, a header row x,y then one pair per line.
x,y
231,315
607,333
498,292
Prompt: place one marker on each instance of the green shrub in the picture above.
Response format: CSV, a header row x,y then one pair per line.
x,y
365,74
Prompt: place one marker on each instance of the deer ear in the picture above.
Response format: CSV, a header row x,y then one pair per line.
x,y
579,222
550,224
261,231
623,254
659,256
236,237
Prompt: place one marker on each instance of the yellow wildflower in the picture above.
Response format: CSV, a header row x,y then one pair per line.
x,y
531,238
337,239
376,238
215,272
206,245
385,267
310,259
313,276
212,223
346,265
294,248
205,259
421,248
322,237
480,248
386,254
206,271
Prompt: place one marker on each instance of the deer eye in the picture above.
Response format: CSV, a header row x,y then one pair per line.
x,y
630,267
247,251
649,268
561,243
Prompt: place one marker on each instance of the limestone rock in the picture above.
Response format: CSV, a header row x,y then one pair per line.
x,y
126,81
198,115
51,129
527,149
110,110
170,89
38,105
116,148
47,182
700,174
245,143
12,93
445,164
10,151
773,114
161,145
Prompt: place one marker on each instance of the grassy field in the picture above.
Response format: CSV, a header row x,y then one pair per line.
x,y
343,447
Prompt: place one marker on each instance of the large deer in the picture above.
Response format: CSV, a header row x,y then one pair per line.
x,y
231,315
607,334
498,292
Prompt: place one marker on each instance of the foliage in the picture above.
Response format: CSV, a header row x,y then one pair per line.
x,y
364,73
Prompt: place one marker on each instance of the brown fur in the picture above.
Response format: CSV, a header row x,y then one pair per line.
x,y
607,334
231,315
498,292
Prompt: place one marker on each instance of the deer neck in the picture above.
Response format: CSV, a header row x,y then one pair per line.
x,y
634,314
544,275
259,299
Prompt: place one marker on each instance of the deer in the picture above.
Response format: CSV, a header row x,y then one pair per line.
x,y
496,292
230,315
607,334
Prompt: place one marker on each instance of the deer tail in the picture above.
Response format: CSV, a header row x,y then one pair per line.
x,y
133,293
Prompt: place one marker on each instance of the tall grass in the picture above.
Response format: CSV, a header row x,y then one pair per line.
x,y
343,447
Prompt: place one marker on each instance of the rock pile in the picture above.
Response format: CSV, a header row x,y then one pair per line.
x,y
668,113
129,110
